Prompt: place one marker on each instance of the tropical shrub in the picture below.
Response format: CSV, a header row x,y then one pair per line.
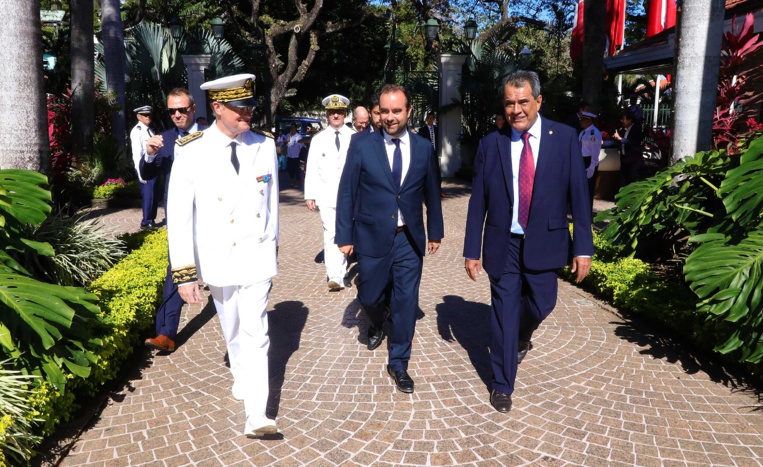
x,y
708,210
83,251
16,434
44,328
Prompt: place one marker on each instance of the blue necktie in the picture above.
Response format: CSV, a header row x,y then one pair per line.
x,y
397,163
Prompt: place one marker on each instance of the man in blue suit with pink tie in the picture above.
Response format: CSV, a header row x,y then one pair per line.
x,y
526,184
388,177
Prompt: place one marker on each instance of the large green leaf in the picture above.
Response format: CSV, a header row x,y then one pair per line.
x,y
742,190
726,274
29,200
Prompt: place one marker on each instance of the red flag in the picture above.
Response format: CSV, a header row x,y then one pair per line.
x,y
661,16
654,22
670,14
576,44
615,24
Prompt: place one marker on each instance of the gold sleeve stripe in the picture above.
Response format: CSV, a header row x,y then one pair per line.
x,y
184,274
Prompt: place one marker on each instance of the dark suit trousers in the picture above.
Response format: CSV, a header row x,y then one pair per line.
x,y
400,269
150,196
521,299
168,314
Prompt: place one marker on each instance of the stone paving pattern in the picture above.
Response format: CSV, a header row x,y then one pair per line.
x,y
595,390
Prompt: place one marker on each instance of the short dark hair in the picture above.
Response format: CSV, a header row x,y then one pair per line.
x,y
628,113
390,88
181,92
519,78
375,100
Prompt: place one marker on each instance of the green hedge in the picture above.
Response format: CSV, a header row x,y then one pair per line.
x,y
129,294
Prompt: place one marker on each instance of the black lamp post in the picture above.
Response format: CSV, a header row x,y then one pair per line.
x,y
176,28
433,27
470,29
218,27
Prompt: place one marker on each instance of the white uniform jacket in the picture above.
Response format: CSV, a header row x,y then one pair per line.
x,y
325,164
138,137
226,224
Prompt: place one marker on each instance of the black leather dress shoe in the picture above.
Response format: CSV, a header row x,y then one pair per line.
x,y
375,337
403,381
524,347
500,401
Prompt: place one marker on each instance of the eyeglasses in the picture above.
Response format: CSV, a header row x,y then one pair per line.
x,y
247,109
182,110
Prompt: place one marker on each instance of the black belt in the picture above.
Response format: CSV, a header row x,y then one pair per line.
x,y
515,235
400,229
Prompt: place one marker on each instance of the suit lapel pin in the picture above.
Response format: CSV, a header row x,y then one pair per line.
x,y
550,132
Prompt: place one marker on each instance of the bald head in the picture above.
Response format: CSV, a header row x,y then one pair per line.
x,y
360,118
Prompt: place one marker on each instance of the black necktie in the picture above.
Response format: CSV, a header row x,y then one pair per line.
x,y
397,163
150,132
234,157
336,140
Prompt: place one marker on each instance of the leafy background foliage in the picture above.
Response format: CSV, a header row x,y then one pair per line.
x,y
708,210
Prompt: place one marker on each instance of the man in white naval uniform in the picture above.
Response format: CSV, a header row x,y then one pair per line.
x,y
139,134
223,197
325,161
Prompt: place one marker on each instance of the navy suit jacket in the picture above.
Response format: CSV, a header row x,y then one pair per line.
x,y
162,163
368,201
560,187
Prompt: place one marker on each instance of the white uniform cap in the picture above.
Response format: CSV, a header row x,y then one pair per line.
x,y
335,101
236,90
146,109
587,115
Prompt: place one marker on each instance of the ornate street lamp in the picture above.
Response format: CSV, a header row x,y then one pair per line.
x,y
176,28
218,27
470,29
433,27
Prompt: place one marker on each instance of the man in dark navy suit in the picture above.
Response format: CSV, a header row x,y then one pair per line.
x,y
387,178
160,153
526,183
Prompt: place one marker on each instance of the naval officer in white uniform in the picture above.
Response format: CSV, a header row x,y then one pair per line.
x,y
223,196
325,161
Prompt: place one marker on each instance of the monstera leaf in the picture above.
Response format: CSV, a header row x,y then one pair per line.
x,y
44,327
727,276
742,190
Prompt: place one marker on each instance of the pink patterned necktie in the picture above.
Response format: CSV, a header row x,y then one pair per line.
x,y
526,180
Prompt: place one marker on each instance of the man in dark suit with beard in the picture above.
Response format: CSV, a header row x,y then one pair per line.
x,y
387,177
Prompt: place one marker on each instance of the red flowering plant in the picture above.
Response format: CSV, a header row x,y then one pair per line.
x,y
730,127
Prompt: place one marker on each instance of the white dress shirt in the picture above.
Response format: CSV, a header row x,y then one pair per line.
x,y
405,149
516,152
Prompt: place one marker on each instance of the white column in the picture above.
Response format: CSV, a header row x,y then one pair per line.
x,y
450,119
195,65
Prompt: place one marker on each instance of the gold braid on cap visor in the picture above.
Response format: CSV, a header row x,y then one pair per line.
x,y
232,94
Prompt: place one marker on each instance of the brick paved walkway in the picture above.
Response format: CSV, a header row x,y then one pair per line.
x,y
594,391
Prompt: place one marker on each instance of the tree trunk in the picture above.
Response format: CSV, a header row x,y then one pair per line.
x,y
83,76
699,35
23,129
594,43
112,32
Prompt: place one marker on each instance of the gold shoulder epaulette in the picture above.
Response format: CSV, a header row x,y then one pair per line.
x,y
184,274
264,133
188,138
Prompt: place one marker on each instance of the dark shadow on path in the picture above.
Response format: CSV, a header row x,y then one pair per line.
x,y
196,323
661,345
467,323
285,323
